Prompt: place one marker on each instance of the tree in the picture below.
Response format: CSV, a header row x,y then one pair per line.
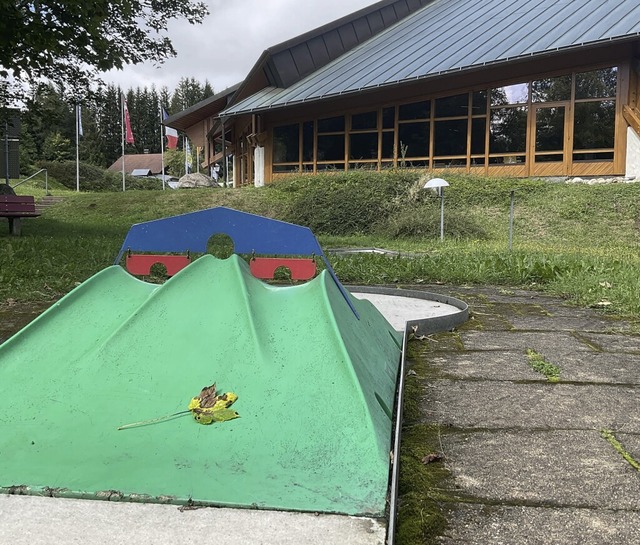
x,y
69,42
56,148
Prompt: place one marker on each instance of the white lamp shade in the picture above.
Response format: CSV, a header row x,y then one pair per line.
x,y
436,183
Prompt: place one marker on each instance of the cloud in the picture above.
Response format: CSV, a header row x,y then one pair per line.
x,y
231,39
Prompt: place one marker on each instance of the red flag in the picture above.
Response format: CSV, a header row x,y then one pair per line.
x,y
127,123
171,134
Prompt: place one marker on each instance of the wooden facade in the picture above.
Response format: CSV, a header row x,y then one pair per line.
x,y
563,122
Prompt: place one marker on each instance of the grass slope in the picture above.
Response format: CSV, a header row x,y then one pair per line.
x,y
577,241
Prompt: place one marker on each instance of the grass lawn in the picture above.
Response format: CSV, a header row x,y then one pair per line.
x,y
578,241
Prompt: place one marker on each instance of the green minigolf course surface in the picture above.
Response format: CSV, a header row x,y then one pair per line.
x,y
315,388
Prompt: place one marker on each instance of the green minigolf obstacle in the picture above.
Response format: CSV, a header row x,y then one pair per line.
x,y
315,387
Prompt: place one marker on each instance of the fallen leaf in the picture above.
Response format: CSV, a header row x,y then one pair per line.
x,y
430,458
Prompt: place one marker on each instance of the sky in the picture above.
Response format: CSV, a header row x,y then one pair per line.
x,y
224,48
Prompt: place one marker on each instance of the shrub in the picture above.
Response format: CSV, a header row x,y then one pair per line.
x,y
424,221
344,203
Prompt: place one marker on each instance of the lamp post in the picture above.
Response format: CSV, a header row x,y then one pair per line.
x,y
437,185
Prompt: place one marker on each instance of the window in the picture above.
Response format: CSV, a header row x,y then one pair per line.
x,y
551,89
331,124
331,147
416,110
594,125
286,144
508,130
307,141
364,121
454,106
531,121
450,137
413,139
363,145
478,136
597,84
511,94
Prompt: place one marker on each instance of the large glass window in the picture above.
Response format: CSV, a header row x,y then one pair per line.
x,y
597,84
454,106
413,139
450,137
550,129
416,110
388,117
510,94
286,144
551,89
331,147
478,136
594,125
508,130
363,145
368,120
499,126
331,124
479,103
387,145
307,141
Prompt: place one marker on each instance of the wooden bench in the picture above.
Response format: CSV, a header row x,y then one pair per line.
x,y
15,207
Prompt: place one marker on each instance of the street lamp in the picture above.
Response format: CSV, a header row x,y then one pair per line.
x,y
437,185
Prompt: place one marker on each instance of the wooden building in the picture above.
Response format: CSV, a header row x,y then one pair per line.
x,y
498,87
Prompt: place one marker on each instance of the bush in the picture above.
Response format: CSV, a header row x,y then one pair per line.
x,y
344,203
424,221
93,178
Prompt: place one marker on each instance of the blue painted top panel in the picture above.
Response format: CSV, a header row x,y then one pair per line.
x,y
453,35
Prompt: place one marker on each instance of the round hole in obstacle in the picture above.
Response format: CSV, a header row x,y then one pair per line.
x,y
282,274
220,246
158,272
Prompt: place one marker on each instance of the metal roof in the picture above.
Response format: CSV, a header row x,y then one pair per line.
x,y
288,62
454,35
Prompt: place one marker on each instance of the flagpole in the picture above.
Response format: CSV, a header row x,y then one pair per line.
x,y
122,112
162,146
77,148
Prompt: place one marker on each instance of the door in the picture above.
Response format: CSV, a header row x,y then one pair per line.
x,y
549,140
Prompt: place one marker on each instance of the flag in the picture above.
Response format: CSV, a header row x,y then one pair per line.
x,y
127,123
171,134
188,161
79,119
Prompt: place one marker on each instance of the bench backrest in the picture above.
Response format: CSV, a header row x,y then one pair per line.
x,y
17,203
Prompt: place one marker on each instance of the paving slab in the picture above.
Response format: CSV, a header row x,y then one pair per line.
x,y
484,364
602,368
32,520
614,343
503,405
559,322
546,342
521,525
575,468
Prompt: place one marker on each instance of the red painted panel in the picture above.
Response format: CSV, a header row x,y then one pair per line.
x,y
265,267
141,264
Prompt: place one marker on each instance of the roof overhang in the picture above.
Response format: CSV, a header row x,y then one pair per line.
x,y
209,107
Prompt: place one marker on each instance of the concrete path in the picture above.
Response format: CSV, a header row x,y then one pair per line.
x,y
527,457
